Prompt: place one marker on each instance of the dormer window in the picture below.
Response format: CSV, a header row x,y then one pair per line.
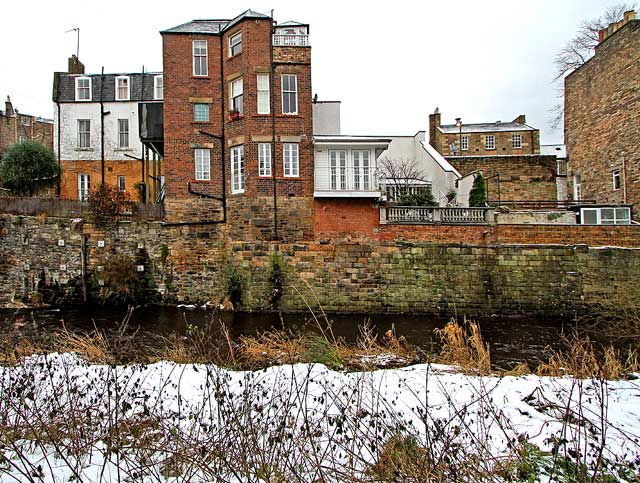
x,y
83,88
122,88
235,44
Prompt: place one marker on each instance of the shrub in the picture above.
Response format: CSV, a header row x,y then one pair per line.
x,y
106,203
422,198
478,193
28,167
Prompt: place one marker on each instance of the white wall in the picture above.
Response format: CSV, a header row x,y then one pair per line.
x,y
321,164
71,112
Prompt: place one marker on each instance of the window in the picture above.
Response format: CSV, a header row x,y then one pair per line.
x,y
291,164
464,143
83,186
123,133
121,183
289,94
122,88
361,170
490,142
235,44
84,133
617,179
264,159
338,170
200,67
158,87
577,187
83,88
237,169
263,94
203,164
516,141
605,216
237,103
201,112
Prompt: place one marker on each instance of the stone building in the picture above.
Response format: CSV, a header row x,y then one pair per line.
x,y
16,127
238,126
602,119
508,155
96,135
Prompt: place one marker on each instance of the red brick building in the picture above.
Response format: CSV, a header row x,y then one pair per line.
x,y
238,126
602,120
16,127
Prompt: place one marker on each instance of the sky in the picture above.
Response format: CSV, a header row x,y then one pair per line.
x,y
390,63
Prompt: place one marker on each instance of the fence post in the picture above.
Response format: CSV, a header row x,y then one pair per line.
x,y
383,215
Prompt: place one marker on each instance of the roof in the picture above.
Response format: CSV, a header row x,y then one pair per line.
x,y
486,127
559,150
344,139
198,27
292,23
438,158
246,14
141,88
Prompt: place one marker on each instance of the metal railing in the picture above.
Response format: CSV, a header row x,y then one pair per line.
x,y
54,207
435,215
290,40
539,204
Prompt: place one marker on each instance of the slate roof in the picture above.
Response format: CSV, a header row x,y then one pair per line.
x,y
214,27
141,87
486,127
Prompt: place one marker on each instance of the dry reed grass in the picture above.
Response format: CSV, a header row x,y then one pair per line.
x,y
581,359
462,345
279,347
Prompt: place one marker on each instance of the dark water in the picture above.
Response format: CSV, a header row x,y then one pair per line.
x,y
511,340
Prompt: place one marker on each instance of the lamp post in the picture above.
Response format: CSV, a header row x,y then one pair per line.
x,y
459,126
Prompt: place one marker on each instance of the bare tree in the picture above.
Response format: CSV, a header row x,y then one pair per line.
x,y
403,180
580,49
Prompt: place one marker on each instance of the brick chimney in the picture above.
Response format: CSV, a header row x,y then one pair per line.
x,y
75,66
521,119
606,32
434,124
8,107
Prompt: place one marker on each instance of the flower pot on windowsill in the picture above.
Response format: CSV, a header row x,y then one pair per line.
x,y
233,115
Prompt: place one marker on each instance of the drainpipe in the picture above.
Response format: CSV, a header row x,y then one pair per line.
x,y
58,191
274,164
624,180
83,256
102,114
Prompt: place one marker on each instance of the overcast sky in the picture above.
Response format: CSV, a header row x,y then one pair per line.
x,y
390,63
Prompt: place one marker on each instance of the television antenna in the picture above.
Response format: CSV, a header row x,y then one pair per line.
x,y
77,29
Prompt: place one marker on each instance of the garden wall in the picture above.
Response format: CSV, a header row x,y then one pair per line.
x,y
193,264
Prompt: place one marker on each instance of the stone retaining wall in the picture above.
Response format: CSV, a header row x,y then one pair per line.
x,y
343,276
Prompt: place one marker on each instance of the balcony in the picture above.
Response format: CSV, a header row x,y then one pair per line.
x,y
430,215
291,40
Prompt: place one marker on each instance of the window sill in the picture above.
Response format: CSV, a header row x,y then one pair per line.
x,y
231,57
201,181
200,77
200,123
122,150
265,176
122,100
84,149
236,193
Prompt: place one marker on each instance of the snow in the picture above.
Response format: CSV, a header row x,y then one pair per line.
x,y
340,413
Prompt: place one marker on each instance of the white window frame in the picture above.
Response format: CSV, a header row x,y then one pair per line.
x,y
577,187
338,162
464,143
616,179
362,172
234,41
84,186
264,101
86,133
202,159
121,183
237,169
123,135
608,220
264,159
200,51
195,112
158,87
490,142
127,80
291,160
236,97
516,141
80,89
290,93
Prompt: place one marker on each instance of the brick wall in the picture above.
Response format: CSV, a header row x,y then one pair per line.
x,y
503,142
520,177
12,129
602,119
250,214
342,276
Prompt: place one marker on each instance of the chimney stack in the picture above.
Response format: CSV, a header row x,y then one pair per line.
x,y
434,124
521,119
606,32
75,66
8,107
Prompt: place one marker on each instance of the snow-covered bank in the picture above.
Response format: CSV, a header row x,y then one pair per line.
x,y
63,418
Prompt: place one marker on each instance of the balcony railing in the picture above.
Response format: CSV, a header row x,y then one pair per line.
x,y
290,40
428,215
